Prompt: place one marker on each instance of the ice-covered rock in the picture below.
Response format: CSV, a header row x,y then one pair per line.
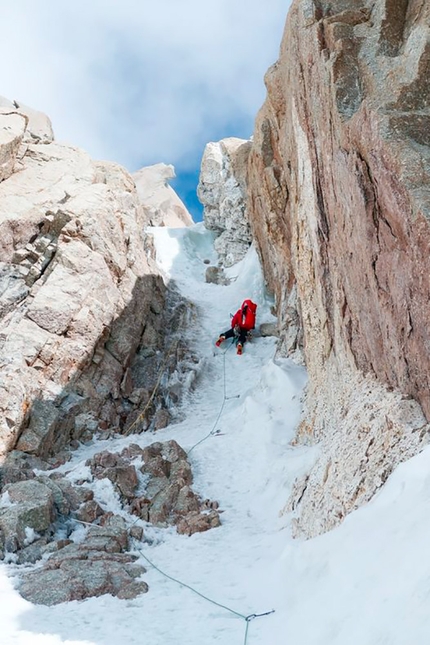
x,y
222,191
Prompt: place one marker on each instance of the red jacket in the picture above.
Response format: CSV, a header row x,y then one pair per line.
x,y
245,316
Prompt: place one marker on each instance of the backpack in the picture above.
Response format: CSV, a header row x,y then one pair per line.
x,y
249,311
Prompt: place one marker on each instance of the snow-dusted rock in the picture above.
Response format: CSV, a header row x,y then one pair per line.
x,y
96,566
168,498
31,509
39,126
222,191
198,523
117,470
216,275
162,204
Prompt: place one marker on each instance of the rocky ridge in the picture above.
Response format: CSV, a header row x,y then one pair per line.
x,y
87,323
91,344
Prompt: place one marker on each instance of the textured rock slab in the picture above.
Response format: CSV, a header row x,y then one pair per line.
x,y
39,126
29,506
77,580
13,288
222,191
95,566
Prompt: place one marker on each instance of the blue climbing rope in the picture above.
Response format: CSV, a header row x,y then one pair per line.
x,y
247,618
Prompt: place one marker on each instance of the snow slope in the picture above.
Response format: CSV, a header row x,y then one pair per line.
x,y
365,583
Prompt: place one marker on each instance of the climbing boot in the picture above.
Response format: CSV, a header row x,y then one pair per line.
x,y
219,341
239,348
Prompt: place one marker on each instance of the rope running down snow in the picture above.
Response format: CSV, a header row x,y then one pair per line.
x,y
198,593
225,398
246,618
141,416
183,584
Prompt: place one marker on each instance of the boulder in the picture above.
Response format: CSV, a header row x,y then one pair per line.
x,y
80,579
89,511
95,566
30,507
198,523
269,329
18,466
216,275
115,468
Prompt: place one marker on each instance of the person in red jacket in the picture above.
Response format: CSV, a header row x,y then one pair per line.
x,y
241,323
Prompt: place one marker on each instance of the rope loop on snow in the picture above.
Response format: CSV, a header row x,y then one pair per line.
x,y
246,618
252,616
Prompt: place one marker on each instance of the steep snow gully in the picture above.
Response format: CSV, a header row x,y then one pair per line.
x,y
365,583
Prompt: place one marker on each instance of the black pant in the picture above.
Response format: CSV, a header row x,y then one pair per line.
x,y
241,336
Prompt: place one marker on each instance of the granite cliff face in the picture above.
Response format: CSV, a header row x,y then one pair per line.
x,y
85,315
339,204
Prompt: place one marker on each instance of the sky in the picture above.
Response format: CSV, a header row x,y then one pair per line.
x,y
138,81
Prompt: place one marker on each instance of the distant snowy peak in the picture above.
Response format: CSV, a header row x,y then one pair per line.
x,y
161,203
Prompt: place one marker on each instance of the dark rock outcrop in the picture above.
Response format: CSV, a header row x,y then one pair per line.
x,y
94,567
40,513
166,478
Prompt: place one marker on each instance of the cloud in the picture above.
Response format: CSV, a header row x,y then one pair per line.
x,y
139,81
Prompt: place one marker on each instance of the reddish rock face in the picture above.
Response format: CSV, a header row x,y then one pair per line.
x,y
339,191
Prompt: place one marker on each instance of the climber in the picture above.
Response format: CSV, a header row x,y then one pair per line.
x,y
241,324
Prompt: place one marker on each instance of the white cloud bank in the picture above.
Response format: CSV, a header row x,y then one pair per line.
x,y
139,81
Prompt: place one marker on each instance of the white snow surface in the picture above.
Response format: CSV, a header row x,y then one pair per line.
x,y
365,583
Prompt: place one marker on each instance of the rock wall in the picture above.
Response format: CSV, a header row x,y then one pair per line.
x,y
222,190
339,203
85,316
